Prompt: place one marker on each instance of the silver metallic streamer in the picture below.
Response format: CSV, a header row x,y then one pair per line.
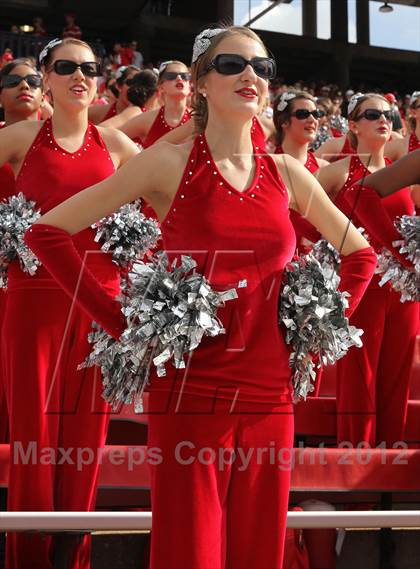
x,y
169,308
340,123
402,280
127,233
17,214
322,135
312,310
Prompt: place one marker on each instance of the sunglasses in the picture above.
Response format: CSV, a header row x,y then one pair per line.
x,y
10,81
303,114
374,115
232,64
67,67
172,75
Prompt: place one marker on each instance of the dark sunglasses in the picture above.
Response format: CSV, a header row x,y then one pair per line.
x,y
172,75
303,114
374,115
232,64
10,81
67,67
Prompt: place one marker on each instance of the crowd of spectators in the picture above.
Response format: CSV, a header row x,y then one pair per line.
x,y
331,97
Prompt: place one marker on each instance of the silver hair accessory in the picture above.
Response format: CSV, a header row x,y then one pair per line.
x,y
413,97
120,71
202,42
43,54
164,65
353,102
284,100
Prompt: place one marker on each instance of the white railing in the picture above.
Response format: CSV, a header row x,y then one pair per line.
x,y
126,521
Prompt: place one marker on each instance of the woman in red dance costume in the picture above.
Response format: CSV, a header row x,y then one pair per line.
x,y
372,390
174,88
101,113
296,120
228,206
143,94
49,409
395,149
21,98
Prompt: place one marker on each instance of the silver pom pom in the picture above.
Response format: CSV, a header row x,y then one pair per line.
x,y
340,123
312,310
127,233
322,136
402,280
169,308
17,214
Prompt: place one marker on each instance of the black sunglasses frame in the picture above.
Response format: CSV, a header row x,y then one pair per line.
x,y
19,78
305,113
72,66
172,75
376,112
217,64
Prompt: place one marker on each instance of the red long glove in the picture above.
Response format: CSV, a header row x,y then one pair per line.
x,y
368,208
356,271
54,247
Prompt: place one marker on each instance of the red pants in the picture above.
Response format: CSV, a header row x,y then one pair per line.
x,y
58,419
373,381
210,512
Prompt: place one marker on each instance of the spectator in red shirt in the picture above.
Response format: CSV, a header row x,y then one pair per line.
x,y
71,30
127,55
7,57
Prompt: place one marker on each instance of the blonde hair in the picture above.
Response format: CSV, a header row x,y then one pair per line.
x,y
353,116
66,41
172,62
199,103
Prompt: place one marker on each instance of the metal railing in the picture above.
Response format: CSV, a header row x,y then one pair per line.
x,y
25,45
134,521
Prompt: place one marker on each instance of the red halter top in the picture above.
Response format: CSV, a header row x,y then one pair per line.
x,y
234,236
112,111
7,178
50,175
311,163
303,229
413,142
161,127
258,135
345,151
397,204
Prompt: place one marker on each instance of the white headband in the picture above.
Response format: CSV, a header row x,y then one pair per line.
x,y
353,102
120,71
164,65
284,100
202,42
43,54
413,97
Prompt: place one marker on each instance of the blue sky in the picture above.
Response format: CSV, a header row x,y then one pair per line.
x,y
399,29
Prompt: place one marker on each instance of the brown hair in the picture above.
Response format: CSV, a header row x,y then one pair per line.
x,y
67,41
284,116
326,104
412,123
199,103
354,115
8,68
